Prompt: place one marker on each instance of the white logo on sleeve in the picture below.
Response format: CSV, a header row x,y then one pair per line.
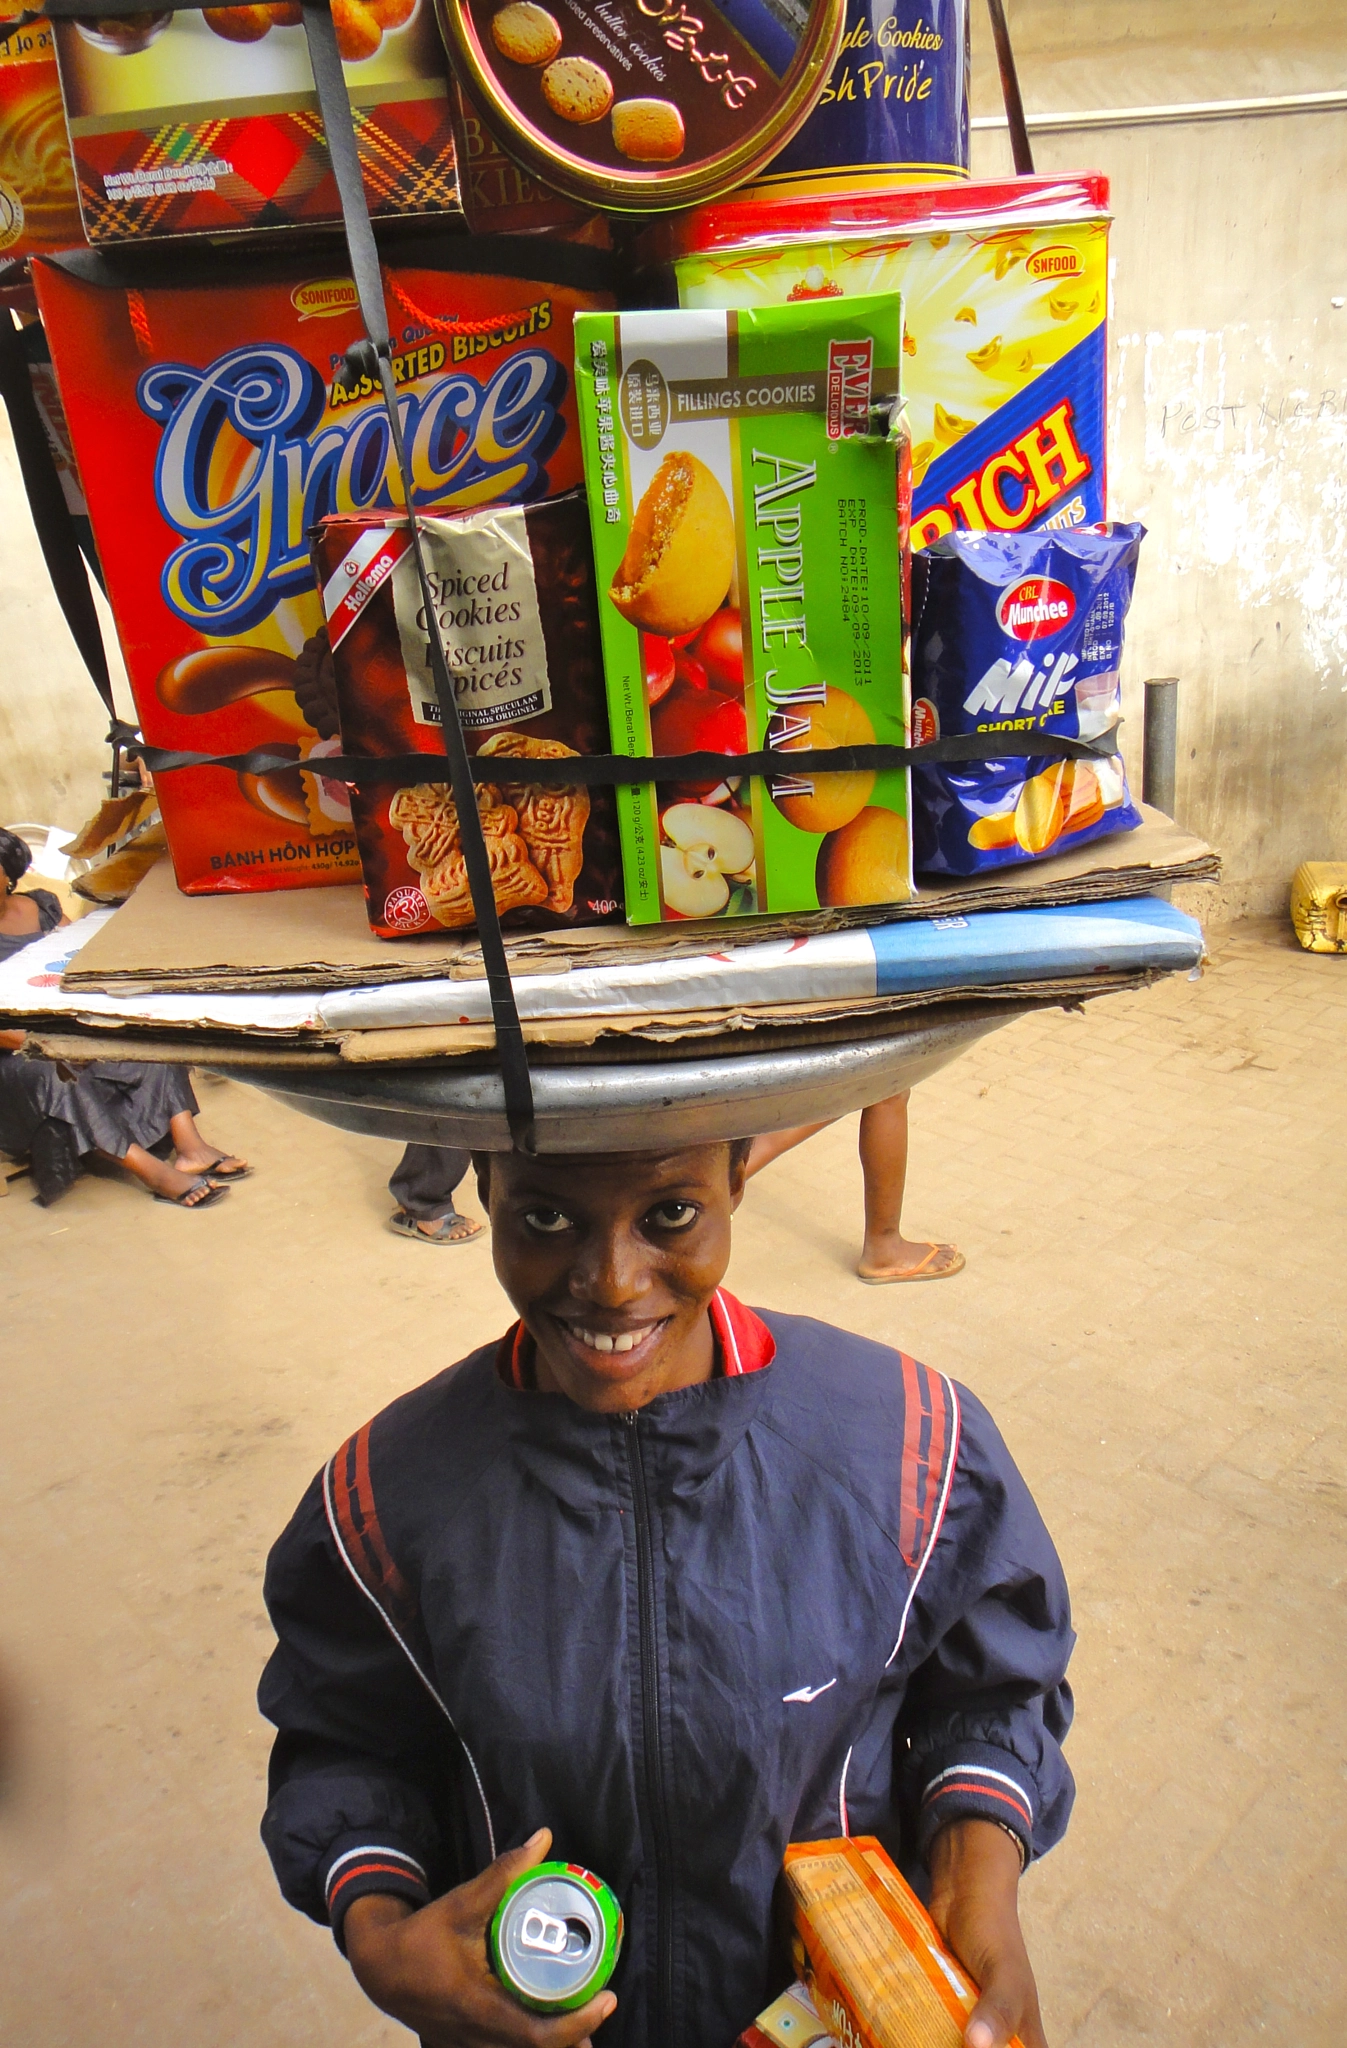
x,y
806,1693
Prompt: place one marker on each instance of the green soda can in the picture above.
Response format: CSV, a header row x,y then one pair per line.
x,y
556,1937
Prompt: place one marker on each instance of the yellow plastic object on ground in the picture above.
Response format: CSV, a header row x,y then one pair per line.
x,y
1319,905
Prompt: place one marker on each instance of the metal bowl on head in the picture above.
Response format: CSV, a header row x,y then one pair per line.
x,y
634,1104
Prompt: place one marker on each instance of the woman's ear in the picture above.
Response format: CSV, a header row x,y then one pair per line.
x,y
739,1151
481,1166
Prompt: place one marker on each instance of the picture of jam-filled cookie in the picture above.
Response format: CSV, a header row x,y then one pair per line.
x,y
679,557
577,89
648,131
526,33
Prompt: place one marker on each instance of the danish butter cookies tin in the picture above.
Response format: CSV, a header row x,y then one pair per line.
x,y
642,105
742,479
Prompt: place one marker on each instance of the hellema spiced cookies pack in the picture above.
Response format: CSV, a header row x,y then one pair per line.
x,y
514,596
742,479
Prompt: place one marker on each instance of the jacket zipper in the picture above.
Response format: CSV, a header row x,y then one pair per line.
x,y
654,1751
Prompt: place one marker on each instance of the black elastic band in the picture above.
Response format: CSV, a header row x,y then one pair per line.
x,y
599,771
56,529
375,358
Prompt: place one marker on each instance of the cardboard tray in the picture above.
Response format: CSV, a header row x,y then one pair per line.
x,y
318,938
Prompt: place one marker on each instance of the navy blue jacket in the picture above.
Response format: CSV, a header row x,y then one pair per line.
x,y
785,1605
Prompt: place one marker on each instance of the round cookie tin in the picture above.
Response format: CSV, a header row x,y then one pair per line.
x,y
643,105
556,1937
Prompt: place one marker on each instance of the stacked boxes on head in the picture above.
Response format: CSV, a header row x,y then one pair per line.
x,y
841,484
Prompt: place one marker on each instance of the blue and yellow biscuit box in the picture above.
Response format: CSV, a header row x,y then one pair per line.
x,y
1005,303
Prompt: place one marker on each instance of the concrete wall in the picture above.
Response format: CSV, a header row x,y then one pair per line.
x,y
1229,363
52,720
1229,393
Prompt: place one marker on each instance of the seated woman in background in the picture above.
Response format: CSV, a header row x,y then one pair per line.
x,y
118,1109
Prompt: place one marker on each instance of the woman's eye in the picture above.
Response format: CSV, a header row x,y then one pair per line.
x,y
547,1221
673,1215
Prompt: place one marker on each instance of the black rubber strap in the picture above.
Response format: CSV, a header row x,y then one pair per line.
x,y
375,358
56,529
1021,152
597,771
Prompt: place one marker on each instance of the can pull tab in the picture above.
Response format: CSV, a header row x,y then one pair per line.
x,y
545,1934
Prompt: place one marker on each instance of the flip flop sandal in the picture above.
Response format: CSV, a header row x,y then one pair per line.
x,y
213,1194
404,1225
220,1171
918,1272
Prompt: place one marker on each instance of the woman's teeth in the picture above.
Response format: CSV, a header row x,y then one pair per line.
x,y
600,1340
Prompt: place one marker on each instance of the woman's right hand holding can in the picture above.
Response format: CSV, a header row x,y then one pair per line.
x,y
428,1966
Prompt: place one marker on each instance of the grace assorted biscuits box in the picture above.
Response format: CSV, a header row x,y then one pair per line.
x,y
214,426
742,480
1005,296
206,122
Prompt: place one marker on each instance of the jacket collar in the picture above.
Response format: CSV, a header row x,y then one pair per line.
x,y
684,1436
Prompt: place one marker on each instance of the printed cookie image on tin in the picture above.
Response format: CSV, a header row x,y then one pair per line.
x,y
526,33
649,131
556,1937
576,89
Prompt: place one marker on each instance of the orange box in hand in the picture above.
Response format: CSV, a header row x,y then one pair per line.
x,y
879,1973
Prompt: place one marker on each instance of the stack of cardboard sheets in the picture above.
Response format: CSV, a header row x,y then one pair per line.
x,y
296,977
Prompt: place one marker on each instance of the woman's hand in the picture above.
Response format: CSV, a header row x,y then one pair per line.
x,y
975,1876
12,1041
428,1967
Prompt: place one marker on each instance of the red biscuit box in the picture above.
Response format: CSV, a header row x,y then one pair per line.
x,y
213,428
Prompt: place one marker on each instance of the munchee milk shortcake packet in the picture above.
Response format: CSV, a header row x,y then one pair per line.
x,y
1019,633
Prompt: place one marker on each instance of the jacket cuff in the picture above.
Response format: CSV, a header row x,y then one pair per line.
x,y
976,1781
360,1864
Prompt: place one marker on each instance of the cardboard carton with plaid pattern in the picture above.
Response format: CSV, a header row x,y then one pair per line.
x,y
206,122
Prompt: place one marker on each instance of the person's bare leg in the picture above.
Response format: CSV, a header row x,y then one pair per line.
x,y
192,1155
770,1147
887,1254
159,1177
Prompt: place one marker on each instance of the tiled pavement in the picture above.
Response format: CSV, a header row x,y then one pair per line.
x,y
1151,1198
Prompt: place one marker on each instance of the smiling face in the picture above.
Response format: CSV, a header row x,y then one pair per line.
x,y
611,1261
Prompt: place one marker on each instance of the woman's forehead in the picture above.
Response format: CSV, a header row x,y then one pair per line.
x,y
611,1173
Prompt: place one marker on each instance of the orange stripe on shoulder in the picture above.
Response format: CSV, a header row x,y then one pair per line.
x,y
358,1521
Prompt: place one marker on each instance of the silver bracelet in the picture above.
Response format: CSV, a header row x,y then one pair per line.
x,y
1018,1840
